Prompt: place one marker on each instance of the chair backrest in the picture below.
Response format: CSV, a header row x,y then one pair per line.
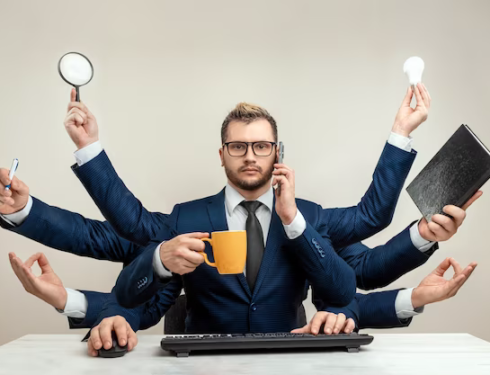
x,y
174,322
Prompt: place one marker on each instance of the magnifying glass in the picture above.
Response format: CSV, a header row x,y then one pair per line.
x,y
76,70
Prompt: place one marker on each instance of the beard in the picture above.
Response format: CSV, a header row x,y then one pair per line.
x,y
264,178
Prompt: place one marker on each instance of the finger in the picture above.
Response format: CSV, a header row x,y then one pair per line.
x,y
458,214
78,105
423,94
443,267
192,257
427,95
439,232
79,112
477,195
418,96
194,244
283,172
121,330
449,225
105,330
408,97
6,193
4,177
469,270
75,118
73,95
350,325
456,266
95,338
195,235
44,264
132,338
91,350
281,180
304,329
339,324
19,186
16,265
29,262
282,166
318,319
330,323
7,201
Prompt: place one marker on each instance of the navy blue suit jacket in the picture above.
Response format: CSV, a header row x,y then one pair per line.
x,y
73,233
310,257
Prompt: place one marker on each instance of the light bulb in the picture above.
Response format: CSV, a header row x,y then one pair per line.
x,y
413,68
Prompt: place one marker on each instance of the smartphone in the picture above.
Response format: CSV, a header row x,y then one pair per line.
x,y
281,153
279,161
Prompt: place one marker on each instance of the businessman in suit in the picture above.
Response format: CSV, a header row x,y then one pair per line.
x,y
247,154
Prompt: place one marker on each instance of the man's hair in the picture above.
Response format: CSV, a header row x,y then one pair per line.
x,y
247,113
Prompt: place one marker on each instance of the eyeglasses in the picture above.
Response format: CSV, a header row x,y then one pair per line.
x,y
261,148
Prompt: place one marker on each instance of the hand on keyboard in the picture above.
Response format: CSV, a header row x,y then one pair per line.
x,y
332,323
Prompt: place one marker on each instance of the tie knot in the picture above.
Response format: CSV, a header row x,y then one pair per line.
x,y
251,206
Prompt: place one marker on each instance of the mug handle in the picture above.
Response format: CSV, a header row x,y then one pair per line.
x,y
210,240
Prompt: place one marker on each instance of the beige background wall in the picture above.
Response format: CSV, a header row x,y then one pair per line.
x,y
167,72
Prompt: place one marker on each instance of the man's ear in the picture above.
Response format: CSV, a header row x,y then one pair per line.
x,y
221,156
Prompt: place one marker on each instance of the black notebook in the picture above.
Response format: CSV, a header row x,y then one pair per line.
x,y
453,175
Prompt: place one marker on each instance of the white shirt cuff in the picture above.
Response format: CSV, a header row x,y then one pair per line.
x,y
418,241
158,267
297,226
400,141
76,304
403,305
17,218
84,155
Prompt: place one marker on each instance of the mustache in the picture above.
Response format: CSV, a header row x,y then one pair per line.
x,y
256,167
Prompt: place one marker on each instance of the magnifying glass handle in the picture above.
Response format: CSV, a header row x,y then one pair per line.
x,y
78,93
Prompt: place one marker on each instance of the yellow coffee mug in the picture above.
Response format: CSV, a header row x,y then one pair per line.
x,y
229,250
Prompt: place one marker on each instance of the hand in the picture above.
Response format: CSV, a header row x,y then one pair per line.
x,y
436,288
47,287
179,255
333,324
102,335
408,119
285,200
14,199
80,123
442,228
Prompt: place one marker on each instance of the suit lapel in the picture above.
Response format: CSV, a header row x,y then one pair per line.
x,y
217,216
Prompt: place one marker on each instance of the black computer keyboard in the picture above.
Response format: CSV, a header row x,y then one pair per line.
x,y
182,345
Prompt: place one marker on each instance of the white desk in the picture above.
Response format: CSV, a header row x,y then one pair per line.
x,y
414,354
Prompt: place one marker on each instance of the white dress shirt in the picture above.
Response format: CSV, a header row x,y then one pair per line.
x,y
236,216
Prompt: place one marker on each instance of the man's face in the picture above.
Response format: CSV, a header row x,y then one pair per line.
x,y
249,172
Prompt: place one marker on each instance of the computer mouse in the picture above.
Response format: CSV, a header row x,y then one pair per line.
x,y
116,350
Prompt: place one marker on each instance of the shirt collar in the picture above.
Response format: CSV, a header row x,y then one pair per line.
x,y
233,198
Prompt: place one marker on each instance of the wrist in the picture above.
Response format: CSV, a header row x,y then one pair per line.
x,y
86,142
398,129
60,303
288,218
417,298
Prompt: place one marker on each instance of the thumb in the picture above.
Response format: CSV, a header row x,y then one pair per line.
x,y
73,95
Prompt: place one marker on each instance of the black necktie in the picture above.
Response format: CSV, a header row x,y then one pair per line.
x,y
255,242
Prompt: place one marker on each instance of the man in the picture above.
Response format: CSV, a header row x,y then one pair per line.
x,y
370,312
